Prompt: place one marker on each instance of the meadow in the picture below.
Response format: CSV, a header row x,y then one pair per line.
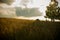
x,y
21,29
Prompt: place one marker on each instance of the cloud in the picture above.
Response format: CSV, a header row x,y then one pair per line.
x,y
31,18
7,1
58,2
29,12
7,12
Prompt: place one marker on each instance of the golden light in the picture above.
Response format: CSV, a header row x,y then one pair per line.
x,y
52,2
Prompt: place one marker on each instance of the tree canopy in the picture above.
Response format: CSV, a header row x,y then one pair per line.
x,y
53,11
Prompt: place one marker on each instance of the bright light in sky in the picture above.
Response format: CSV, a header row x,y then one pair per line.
x,y
52,2
16,3
41,4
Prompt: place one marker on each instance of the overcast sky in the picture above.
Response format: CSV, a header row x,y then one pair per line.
x,y
41,4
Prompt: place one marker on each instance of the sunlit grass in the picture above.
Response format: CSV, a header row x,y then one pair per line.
x,y
20,29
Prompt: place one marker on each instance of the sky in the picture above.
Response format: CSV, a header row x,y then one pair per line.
x,y
41,4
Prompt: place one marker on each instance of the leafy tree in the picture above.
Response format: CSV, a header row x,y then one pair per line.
x,y
53,11
45,17
58,13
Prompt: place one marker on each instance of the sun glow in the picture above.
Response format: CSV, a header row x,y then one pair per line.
x,y
52,2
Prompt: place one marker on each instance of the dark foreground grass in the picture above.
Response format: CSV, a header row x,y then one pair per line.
x,y
18,29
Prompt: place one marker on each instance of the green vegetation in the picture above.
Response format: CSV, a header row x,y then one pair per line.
x,y
53,10
19,29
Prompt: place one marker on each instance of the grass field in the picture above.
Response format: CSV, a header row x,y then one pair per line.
x,y
19,29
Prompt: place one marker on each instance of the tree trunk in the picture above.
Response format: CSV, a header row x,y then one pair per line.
x,y
52,20
46,19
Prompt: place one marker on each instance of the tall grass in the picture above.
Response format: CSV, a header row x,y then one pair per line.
x,y
18,29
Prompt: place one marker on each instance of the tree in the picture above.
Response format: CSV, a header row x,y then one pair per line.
x,y
45,17
53,11
58,11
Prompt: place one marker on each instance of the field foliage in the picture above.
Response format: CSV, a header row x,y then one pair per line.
x,y
19,29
